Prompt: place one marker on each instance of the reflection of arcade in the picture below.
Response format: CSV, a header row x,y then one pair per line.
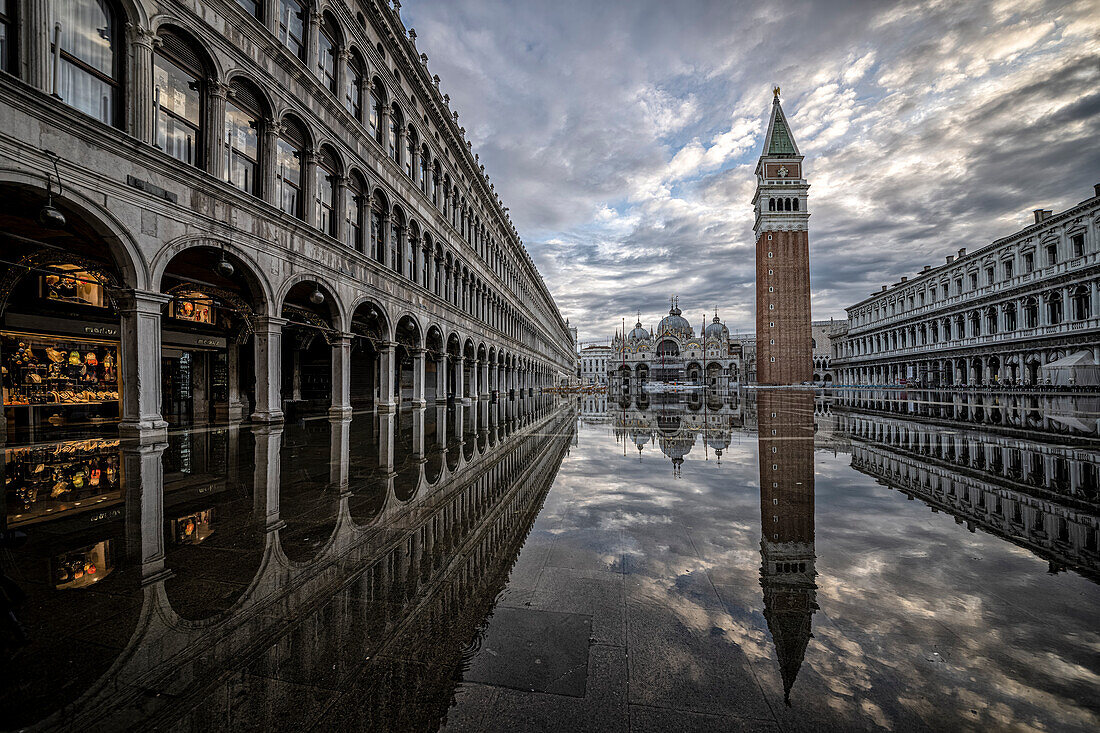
x,y
787,554
1041,496
413,566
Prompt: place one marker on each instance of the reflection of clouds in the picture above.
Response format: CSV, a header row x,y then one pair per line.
x,y
919,620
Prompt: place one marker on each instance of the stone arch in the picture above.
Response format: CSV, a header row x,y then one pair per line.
x,y
252,271
124,249
192,33
340,316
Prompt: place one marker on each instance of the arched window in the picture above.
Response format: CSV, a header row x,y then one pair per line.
x,y
1010,317
292,27
397,121
288,158
397,240
377,104
354,203
328,41
243,127
353,92
412,141
377,233
7,36
1031,312
85,37
771,204
178,98
795,204
425,170
1081,306
991,320
1054,307
328,176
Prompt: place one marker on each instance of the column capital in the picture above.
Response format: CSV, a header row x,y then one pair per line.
x,y
386,345
268,324
142,301
142,37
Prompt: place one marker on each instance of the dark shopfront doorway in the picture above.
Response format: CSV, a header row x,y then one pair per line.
x,y
191,380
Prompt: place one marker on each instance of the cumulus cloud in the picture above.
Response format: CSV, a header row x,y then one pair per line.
x,y
623,136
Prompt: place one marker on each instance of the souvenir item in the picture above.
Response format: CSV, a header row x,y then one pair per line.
x,y
36,378
89,568
93,479
59,488
90,359
63,575
55,371
78,481
55,355
187,308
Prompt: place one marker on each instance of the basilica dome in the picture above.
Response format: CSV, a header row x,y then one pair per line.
x,y
674,323
716,329
638,333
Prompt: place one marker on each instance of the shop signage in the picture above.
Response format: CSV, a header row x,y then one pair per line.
x,y
193,339
46,324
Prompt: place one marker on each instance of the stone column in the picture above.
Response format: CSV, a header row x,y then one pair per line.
x,y
217,147
143,476
309,188
483,380
418,432
441,425
267,476
385,442
313,32
339,452
339,204
37,42
1094,300
139,366
418,356
269,191
494,378
341,377
441,379
268,340
343,55
386,402
140,98
200,397
460,379
475,382
1067,305
271,16
384,240
233,409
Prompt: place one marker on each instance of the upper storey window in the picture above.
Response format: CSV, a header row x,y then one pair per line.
x,y
7,30
394,139
87,65
327,43
243,120
328,174
353,92
289,153
178,98
252,7
292,27
377,105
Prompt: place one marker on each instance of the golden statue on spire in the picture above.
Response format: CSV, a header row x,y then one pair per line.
x,y
775,91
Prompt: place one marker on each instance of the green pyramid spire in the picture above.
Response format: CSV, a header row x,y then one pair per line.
x,y
779,140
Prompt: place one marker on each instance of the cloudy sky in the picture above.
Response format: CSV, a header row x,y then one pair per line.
x,y
623,135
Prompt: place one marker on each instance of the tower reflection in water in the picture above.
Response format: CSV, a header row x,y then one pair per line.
x,y
261,575
787,559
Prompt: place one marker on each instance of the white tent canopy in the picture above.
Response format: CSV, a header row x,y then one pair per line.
x,y
1077,369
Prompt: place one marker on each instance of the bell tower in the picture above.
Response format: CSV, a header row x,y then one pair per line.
x,y
783,337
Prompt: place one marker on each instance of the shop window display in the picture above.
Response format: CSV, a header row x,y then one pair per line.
x,y
56,374
47,479
73,285
193,528
82,567
193,307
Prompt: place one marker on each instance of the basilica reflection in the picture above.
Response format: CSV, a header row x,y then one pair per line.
x,y
188,575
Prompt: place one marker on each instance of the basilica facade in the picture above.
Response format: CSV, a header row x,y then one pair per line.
x,y
674,352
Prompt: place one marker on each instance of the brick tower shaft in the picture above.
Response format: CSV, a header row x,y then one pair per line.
x,y
784,353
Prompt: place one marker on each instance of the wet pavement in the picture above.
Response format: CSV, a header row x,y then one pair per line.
x,y
762,561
